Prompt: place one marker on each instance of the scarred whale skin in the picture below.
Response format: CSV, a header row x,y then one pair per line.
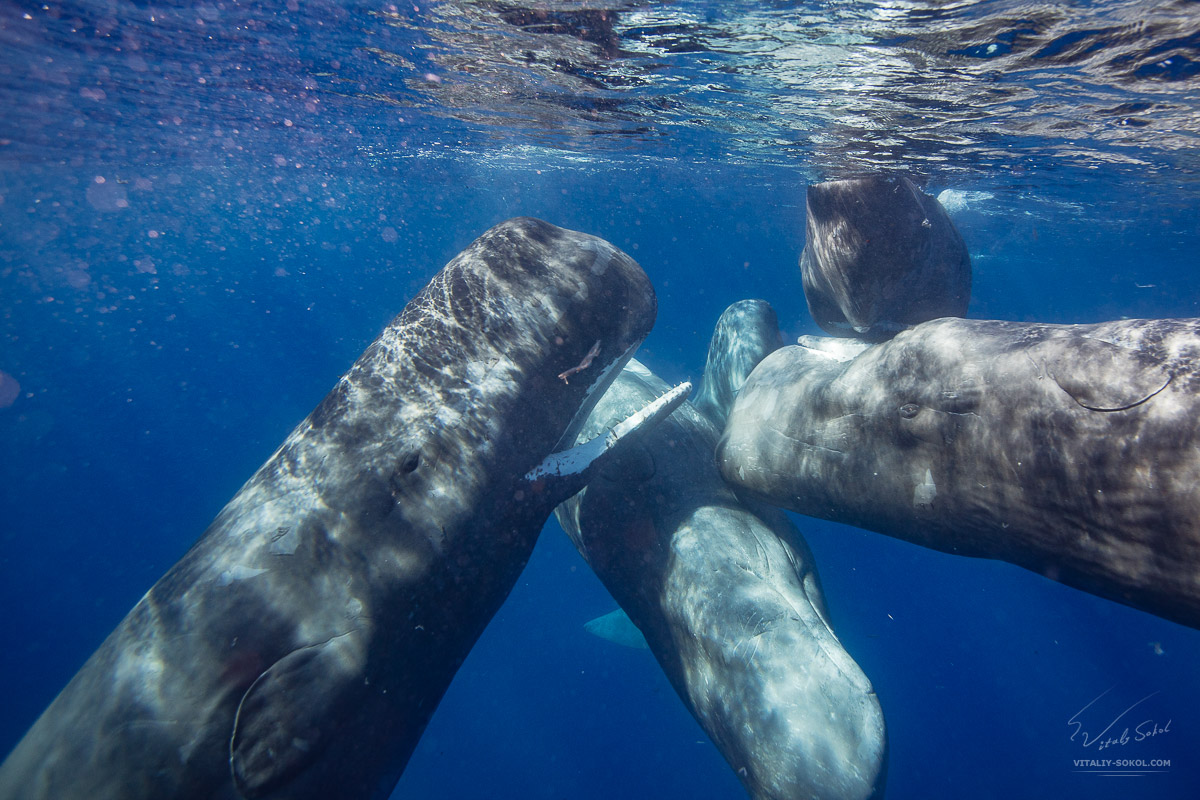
x,y
300,647
729,601
879,255
1071,450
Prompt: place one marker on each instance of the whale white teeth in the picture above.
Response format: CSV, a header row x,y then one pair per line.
x,y
580,457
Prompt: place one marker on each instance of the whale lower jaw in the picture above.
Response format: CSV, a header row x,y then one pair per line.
x,y
585,457
592,394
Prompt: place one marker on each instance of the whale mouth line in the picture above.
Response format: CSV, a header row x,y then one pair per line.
x,y
592,394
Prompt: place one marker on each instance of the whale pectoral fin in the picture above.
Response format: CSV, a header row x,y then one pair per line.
x,y
1101,376
281,725
568,471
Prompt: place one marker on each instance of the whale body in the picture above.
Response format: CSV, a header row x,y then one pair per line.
x,y
302,644
726,593
1071,450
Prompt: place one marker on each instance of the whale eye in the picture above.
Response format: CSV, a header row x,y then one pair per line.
x,y
909,410
406,465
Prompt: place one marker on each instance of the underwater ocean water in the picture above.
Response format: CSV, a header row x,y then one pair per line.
x,y
207,211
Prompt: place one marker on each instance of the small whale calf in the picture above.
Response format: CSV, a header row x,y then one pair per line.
x,y
300,647
726,593
1071,450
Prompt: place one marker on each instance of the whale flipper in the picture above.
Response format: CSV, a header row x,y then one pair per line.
x,y
279,729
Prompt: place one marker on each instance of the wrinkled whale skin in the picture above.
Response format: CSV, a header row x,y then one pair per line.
x,y
879,255
1071,450
726,593
302,644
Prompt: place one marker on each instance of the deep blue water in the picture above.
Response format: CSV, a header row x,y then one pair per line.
x,y
186,268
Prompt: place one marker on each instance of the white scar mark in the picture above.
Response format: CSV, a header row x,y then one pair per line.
x,y
924,493
238,572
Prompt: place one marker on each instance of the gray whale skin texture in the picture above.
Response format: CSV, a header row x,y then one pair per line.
x,y
1070,450
300,647
726,593
879,255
